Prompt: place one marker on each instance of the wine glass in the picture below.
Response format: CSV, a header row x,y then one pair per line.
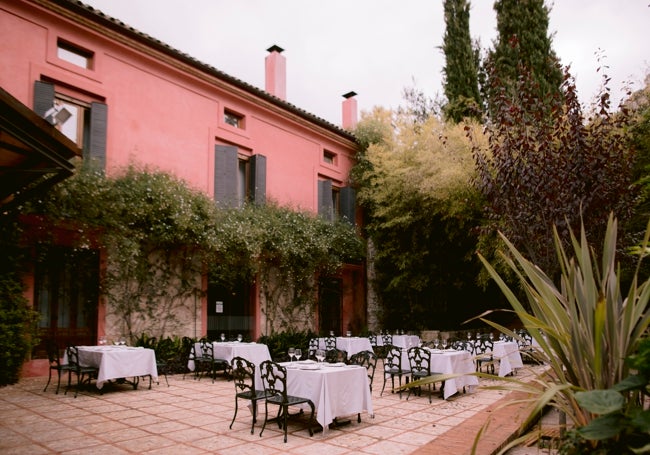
x,y
436,343
122,342
292,353
239,337
298,353
320,355
331,333
491,336
102,340
223,337
444,343
348,334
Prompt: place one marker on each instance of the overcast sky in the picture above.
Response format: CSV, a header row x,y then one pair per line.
x,y
378,47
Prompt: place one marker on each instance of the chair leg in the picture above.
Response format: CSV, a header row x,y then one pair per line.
x,y
58,382
49,378
235,415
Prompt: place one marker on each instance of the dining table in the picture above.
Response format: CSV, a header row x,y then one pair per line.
x,y
253,352
336,389
401,341
118,362
507,352
351,345
450,361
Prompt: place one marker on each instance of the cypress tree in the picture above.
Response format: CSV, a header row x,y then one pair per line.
x,y
523,45
461,64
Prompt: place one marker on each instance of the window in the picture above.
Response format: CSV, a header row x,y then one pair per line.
x,y
86,125
329,157
233,119
75,55
238,179
336,202
243,183
75,126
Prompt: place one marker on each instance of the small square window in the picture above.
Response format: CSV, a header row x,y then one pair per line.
x,y
75,55
233,119
329,157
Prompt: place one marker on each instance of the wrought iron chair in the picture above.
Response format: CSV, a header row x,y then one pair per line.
x,y
207,363
330,343
336,356
392,368
243,374
54,359
483,348
313,347
420,363
89,373
274,378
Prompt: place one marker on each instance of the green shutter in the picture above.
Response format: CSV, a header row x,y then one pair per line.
x,y
43,97
95,144
348,204
225,175
257,181
325,202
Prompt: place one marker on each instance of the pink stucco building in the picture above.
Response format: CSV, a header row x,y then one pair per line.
x,y
134,99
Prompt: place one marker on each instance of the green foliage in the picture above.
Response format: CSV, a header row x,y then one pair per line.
x,y
585,328
544,170
18,322
161,236
522,45
280,342
622,425
421,210
461,64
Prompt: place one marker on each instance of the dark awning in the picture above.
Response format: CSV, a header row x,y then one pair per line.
x,y
33,154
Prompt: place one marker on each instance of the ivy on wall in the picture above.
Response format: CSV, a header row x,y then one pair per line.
x,y
161,236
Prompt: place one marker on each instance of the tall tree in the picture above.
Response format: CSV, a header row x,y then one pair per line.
x,y
461,64
523,44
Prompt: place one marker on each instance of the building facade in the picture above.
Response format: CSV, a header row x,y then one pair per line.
x,y
126,98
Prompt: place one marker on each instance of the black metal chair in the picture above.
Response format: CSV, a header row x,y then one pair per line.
x,y
206,362
420,364
313,347
89,373
393,367
54,359
367,359
330,343
336,356
483,348
243,374
274,378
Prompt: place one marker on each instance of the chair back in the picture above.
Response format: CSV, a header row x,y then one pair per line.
x,y
73,356
419,360
373,340
393,360
313,347
274,379
483,346
368,360
207,350
53,353
387,339
330,343
243,375
336,356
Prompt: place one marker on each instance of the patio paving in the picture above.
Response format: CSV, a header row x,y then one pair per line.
x,y
192,417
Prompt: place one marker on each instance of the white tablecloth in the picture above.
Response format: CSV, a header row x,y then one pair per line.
x,y
336,391
450,362
401,341
351,345
116,362
507,352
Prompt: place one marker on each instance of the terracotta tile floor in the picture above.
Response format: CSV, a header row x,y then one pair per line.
x,y
192,417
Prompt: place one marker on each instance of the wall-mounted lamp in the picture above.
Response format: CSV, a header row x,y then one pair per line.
x,y
57,115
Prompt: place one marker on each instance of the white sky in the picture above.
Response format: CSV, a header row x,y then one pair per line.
x,y
378,47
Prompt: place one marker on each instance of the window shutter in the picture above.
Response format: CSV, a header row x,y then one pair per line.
x,y
257,181
225,175
325,203
348,204
96,142
43,97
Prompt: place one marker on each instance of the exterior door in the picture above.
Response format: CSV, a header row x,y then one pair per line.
x,y
66,296
229,311
330,301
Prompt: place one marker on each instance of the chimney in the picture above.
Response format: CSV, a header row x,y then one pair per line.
x,y
350,111
276,73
